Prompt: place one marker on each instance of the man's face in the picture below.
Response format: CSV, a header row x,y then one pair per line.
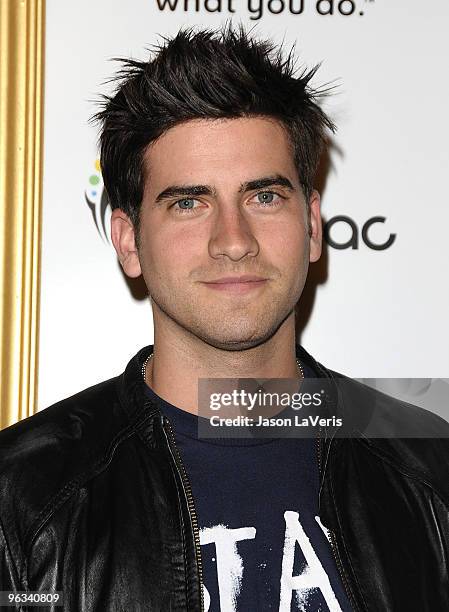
x,y
222,199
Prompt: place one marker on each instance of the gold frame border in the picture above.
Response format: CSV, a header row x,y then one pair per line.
x,y
22,48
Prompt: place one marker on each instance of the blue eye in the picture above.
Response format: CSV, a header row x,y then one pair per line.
x,y
185,206
266,197
185,203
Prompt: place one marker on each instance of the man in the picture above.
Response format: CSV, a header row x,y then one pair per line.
x,y
208,154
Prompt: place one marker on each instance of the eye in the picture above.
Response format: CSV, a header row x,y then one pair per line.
x,y
268,198
186,205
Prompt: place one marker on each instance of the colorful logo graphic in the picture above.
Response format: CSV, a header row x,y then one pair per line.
x,y
98,202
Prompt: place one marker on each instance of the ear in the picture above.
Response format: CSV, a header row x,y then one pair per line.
x,y
315,227
124,241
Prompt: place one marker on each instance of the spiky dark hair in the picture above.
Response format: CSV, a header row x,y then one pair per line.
x,y
205,73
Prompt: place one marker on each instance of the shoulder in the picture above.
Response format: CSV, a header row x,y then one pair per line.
x,y
413,440
61,427
383,415
49,452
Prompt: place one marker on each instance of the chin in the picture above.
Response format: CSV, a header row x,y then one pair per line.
x,y
235,339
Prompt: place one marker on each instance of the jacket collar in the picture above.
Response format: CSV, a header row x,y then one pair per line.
x,y
132,388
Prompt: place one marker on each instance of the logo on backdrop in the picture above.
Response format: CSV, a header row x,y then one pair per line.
x,y
98,202
355,235
342,222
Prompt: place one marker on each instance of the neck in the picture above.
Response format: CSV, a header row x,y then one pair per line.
x,y
180,359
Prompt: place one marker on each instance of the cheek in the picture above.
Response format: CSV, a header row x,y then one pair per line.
x,y
285,244
171,254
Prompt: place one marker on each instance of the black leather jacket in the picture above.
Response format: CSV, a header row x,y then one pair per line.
x,y
95,503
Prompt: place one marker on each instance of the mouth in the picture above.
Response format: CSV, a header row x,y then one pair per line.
x,y
237,284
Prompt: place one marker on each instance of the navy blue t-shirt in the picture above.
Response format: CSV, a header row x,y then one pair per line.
x,y
262,544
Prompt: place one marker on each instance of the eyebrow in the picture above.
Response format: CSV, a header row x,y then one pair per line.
x,y
185,190
267,181
196,190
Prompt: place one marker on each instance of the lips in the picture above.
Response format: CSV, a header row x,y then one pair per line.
x,y
246,278
237,285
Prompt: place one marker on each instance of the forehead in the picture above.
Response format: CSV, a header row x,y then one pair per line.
x,y
219,150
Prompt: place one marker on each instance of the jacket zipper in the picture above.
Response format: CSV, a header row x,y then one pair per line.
x,y
333,542
190,504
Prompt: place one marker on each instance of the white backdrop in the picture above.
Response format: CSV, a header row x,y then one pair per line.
x,y
376,313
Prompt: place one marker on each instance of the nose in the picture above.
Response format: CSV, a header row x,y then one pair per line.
x,y
232,236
